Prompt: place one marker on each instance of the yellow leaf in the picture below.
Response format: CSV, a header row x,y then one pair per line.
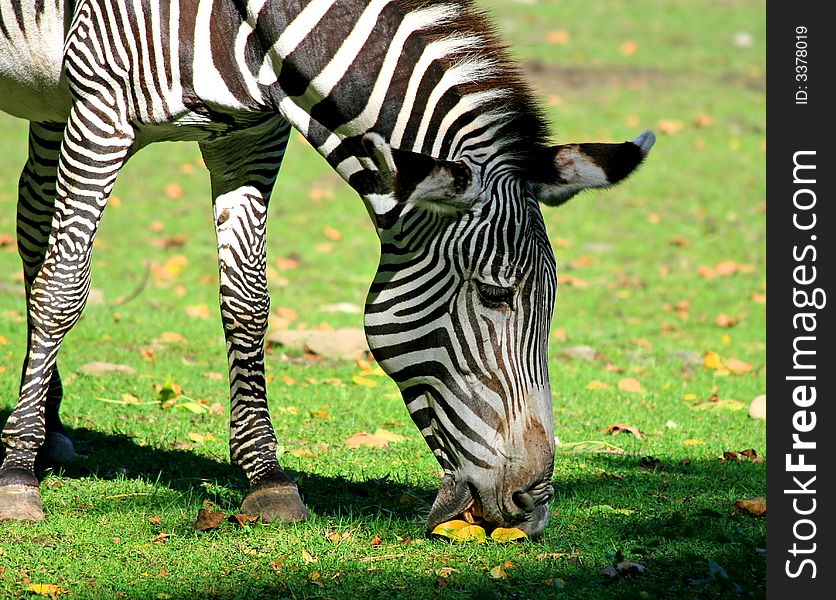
x,y
693,443
460,531
630,384
558,37
129,398
288,380
596,385
46,589
498,572
364,381
507,534
195,407
196,437
712,360
331,233
306,557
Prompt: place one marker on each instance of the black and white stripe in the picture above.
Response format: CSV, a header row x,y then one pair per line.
x,y
415,105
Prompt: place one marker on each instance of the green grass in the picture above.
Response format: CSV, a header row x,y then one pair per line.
x,y
626,258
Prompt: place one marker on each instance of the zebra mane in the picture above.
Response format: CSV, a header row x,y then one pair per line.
x,y
517,120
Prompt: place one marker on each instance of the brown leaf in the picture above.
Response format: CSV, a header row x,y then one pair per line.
x,y
619,427
366,439
173,191
331,233
160,538
558,37
755,507
198,311
630,384
242,519
207,520
97,369
376,541
724,320
628,47
286,263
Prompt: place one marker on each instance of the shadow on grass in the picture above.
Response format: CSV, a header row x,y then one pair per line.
x,y
110,456
674,520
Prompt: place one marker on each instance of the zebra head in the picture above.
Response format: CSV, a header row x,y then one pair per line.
x,y
460,309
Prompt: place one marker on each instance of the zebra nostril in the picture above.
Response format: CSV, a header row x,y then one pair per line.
x,y
533,497
524,500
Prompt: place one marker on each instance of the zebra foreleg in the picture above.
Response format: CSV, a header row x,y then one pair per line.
x,y
91,156
243,169
36,205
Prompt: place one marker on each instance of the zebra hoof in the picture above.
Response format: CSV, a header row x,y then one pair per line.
x,y
276,504
58,450
20,503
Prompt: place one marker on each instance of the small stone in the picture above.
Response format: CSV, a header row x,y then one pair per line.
x,y
757,409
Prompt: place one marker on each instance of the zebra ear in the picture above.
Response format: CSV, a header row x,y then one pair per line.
x,y
572,168
444,186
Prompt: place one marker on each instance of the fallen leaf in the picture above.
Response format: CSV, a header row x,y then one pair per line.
x,y
213,375
307,558
198,311
97,369
331,233
702,120
207,520
628,47
693,443
160,538
757,408
389,436
498,572
755,507
668,126
630,384
170,337
712,360
286,263
619,427
173,191
596,385
366,439
737,366
170,269
508,534
242,519
46,589
167,393
460,531
558,37
360,380
376,541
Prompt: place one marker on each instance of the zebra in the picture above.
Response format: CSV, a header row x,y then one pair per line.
x,y
416,105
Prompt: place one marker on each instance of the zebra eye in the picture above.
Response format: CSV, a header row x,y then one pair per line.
x,y
494,296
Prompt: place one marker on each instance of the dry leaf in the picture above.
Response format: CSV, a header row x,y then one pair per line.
x,y
97,369
173,191
389,436
376,541
628,47
170,337
712,360
286,263
724,320
669,126
331,233
207,520
596,385
360,380
198,311
630,384
498,572
693,443
366,439
242,519
755,507
558,37
307,558
737,366
460,531
508,534
46,589
619,427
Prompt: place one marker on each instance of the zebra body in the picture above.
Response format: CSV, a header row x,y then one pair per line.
x,y
415,106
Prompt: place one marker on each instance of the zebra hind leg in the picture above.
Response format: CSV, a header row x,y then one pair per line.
x,y
243,168
92,154
36,205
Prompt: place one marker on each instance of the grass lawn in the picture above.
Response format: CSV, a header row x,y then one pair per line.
x,y
663,278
